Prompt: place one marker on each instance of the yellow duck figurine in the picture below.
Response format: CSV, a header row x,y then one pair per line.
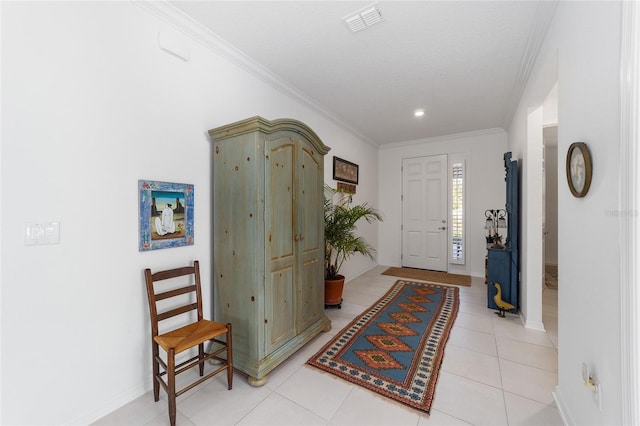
x,y
502,305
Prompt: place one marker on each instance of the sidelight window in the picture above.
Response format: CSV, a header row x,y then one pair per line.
x,y
457,213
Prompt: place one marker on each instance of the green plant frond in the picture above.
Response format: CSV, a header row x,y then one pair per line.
x,y
340,224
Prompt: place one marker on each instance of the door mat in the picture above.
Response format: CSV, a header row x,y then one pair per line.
x,y
426,275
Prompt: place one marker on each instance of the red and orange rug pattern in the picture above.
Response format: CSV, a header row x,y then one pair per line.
x,y
396,346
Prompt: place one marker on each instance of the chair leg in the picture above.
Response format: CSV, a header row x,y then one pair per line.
x,y
171,385
156,371
200,356
229,358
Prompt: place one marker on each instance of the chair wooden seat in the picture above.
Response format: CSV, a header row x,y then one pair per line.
x,y
194,334
190,335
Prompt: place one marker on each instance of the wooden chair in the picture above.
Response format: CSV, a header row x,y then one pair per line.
x,y
195,333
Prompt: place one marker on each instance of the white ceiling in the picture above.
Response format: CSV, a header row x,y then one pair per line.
x,y
464,62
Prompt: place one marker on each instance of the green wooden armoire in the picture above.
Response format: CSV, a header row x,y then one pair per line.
x,y
268,237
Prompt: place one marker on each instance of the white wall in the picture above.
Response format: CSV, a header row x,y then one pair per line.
x,y
485,190
90,104
582,53
550,108
366,192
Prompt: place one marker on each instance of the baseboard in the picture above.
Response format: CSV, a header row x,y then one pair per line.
x,y
562,407
532,325
364,271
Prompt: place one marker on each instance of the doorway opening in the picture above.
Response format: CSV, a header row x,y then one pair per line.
x,y
551,178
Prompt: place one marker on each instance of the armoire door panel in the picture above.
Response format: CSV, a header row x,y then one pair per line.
x,y
279,295
311,237
310,296
279,209
309,221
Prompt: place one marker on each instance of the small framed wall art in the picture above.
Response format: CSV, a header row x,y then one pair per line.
x,y
345,171
347,188
579,169
166,215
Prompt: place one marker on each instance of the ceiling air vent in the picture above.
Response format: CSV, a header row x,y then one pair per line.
x,y
363,18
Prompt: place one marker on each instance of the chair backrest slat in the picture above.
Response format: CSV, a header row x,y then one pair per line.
x,y
173,273
176,292
152,278
177,311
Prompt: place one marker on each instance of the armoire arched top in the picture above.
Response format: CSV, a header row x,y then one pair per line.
x,y
260,124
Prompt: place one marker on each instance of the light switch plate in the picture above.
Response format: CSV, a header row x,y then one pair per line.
x,y
41,233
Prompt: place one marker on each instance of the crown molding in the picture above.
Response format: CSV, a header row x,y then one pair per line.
x,y
443,138
201,34
545,12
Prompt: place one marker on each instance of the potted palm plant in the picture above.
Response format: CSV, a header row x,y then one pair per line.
x,y
341,242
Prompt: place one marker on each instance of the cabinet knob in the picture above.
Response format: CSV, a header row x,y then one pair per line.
x,y
296,237
442,228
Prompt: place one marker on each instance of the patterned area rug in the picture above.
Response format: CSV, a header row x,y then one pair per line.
x,y
395,347
426,275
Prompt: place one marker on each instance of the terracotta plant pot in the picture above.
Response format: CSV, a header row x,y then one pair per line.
x,y
333,291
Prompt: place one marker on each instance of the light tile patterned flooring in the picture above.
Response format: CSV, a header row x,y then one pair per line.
x,y
494,372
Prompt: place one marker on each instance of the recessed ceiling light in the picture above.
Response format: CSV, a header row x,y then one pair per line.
x,y
418,113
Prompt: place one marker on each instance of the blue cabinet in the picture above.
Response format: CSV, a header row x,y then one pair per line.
x,y
503,264
499,271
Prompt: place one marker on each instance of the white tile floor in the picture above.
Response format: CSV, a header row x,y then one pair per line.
x,y
494,372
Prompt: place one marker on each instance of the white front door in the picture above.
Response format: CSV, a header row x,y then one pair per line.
x,y
424,212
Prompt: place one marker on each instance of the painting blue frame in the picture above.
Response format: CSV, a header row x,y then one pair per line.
x,y
166,215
